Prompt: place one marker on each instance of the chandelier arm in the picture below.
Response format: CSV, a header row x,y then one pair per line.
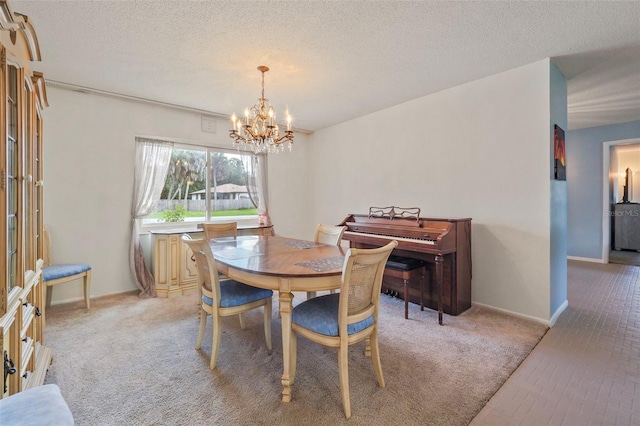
x,y
287,137
238,138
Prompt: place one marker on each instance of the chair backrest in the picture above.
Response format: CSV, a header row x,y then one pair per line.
x,y
46,247
361,283
219,230
206,266
329,234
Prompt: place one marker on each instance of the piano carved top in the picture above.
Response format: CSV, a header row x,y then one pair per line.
x,y
395,212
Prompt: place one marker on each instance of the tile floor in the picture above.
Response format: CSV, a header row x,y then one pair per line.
x,y
586,369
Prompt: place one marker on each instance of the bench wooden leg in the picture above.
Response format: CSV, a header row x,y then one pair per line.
x,y
422,289
87,288
406,298
49,293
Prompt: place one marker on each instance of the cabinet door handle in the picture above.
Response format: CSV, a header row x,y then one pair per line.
x,y
9,368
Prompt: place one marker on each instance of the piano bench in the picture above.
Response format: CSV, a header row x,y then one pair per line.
x,y
407,268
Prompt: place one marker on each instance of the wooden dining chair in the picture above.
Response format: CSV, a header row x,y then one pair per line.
x,y
340,320
53,274
327,234
219,230
224,298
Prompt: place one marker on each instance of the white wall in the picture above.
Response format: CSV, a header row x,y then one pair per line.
x,y
88,168
479,150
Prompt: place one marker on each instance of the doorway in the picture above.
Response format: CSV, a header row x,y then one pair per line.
x,y
610,193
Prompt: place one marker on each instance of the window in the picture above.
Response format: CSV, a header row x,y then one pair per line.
x,y
204,184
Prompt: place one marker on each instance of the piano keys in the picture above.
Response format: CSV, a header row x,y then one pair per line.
x,y
447,240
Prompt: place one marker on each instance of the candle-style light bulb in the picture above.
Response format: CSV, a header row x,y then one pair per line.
x,y
288,121
233,120
246,115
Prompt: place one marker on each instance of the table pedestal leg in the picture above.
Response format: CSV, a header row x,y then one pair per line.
x,y
285,315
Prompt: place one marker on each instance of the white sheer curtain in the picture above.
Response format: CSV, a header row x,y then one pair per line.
x,y
256,168
152,163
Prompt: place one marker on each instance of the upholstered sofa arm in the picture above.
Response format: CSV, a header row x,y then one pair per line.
x,y
42,405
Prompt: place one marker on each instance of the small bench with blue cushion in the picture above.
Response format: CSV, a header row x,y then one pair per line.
x,y
63,273
58,274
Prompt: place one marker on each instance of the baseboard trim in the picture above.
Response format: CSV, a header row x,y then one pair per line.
x,y
586,259
557,313
81,298
512,313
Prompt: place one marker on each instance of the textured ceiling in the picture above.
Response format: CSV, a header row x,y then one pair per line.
x,y
333,61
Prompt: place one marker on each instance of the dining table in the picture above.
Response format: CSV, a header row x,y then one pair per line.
x,y
284,264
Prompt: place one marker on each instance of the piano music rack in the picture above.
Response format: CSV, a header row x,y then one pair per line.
x,y
394,212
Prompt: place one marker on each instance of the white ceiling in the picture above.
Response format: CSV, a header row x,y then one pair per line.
x,y
333,61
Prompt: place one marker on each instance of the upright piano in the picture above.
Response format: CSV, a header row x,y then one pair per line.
x,y
443,243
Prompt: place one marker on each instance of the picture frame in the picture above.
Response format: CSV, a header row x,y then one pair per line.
x,y
559,154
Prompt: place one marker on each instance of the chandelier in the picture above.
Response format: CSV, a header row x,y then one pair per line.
x,y
259,131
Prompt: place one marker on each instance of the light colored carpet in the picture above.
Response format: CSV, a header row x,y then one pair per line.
x,y
132,361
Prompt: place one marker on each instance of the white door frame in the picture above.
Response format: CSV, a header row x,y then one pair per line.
x,y
606,204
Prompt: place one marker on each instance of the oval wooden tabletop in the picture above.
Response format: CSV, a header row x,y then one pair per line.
x,y
280,256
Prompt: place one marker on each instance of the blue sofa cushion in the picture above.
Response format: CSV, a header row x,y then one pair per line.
x,y
320,314
234,293
42,405
54,272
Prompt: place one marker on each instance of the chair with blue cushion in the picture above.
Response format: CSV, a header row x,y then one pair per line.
x,y
224,298
53,274
342,319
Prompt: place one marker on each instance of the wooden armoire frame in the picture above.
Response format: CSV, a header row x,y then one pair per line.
x,y
22,98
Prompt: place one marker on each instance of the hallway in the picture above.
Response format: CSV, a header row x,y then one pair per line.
x,y
586,369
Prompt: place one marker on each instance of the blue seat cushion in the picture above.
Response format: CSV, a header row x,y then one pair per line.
x,y
54,272
320,314
234,293
42,405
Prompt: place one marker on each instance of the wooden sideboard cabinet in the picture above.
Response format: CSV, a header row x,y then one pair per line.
x,y
22,99
173,268
626,226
